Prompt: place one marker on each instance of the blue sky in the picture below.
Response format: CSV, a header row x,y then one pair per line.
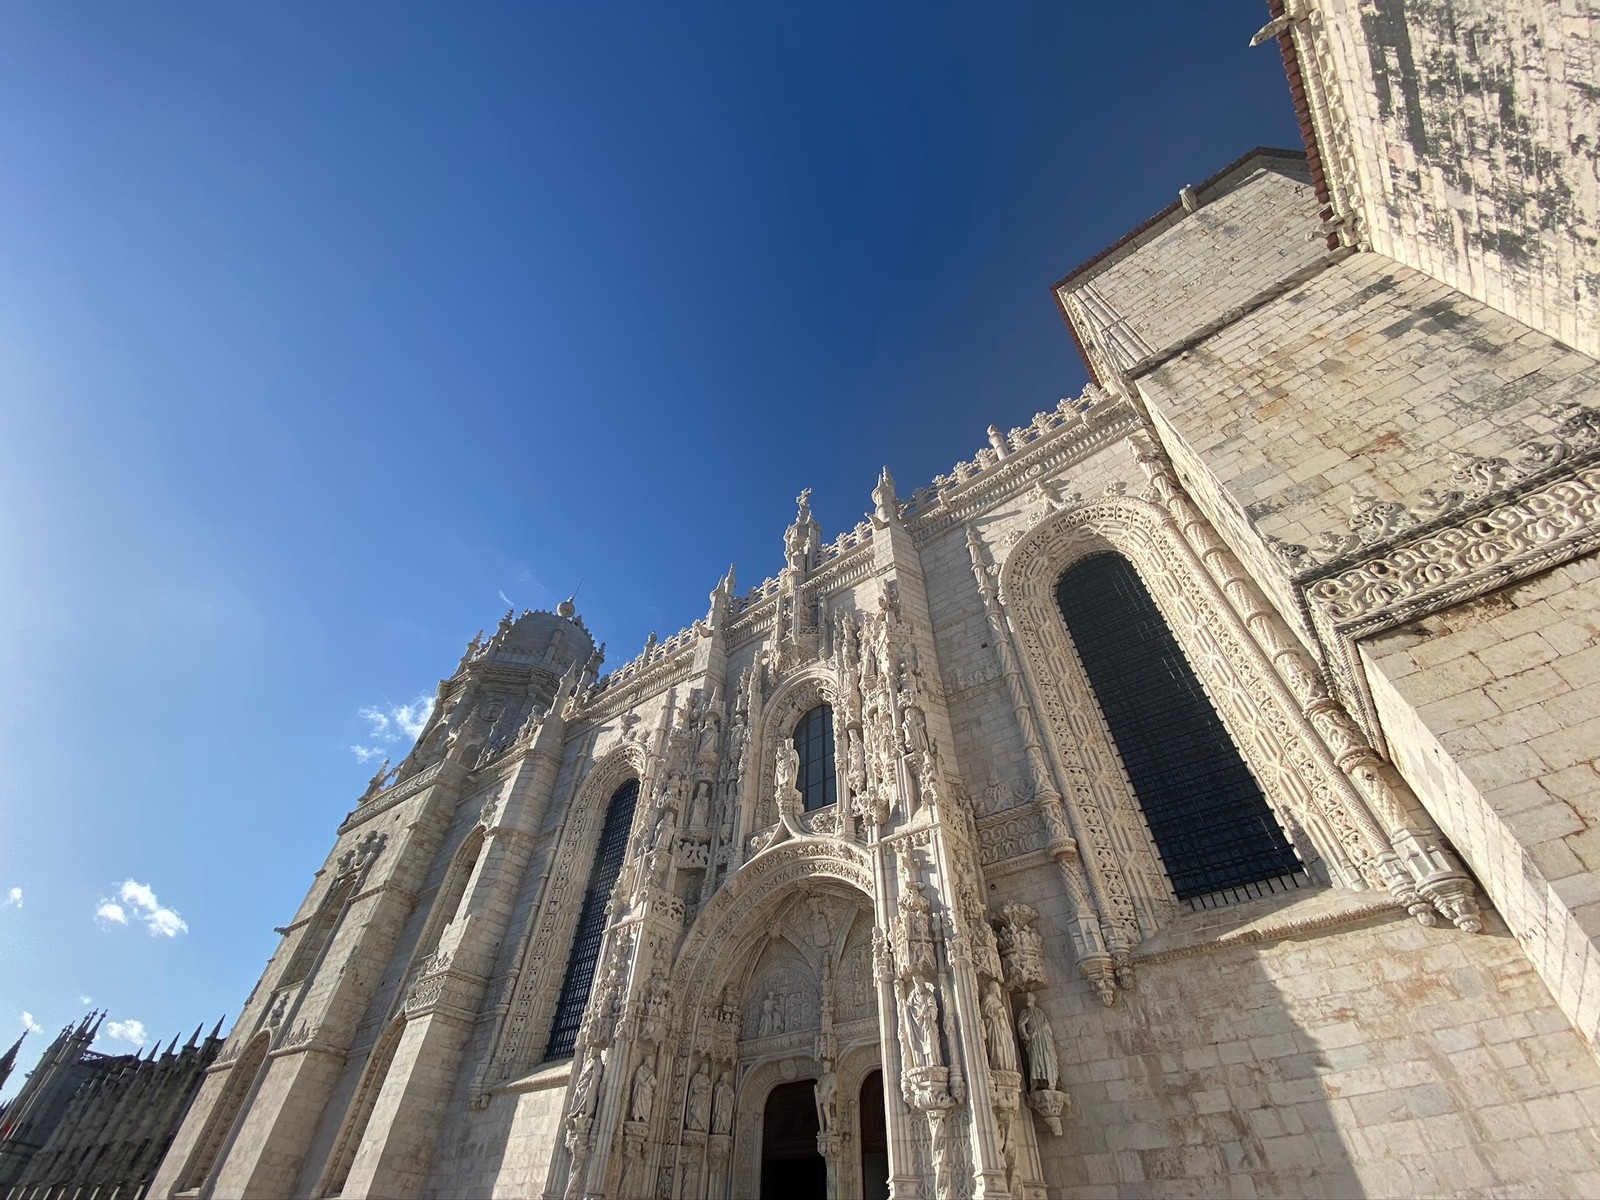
x,y
328,331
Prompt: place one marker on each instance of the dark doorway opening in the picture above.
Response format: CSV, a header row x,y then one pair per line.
x,y
874,1140
791,1168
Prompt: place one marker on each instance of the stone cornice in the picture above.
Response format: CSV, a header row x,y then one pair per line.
x,y
387,799
1509,535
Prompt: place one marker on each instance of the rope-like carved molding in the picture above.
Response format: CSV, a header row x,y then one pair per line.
x,y
537,981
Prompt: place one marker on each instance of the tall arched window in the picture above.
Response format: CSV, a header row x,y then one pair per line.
x,y
360,1115
447,902
592,922
318,931
1205,810
813,738
225,1114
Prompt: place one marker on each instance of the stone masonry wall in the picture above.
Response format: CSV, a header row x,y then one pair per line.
x,y
1254,227
1358,383
1478,154
1493,711
1375,1058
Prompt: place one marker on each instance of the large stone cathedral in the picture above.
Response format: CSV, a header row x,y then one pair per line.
x,y
1191,794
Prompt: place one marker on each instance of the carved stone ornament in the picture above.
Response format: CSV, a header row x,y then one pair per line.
x,y
363,854
1476,477
1021,949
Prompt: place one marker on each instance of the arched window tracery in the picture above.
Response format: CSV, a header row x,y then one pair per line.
x,y
225,1114
813,740
319,931
1210,822
591,927
348,1143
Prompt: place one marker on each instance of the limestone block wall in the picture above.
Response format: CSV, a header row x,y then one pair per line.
x,y
1296,1047
1359,383
1475,146
1363,386
1493,710
1231,239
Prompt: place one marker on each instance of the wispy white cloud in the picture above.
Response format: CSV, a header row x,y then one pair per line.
x,y
507,600
391,725
413,718
138,901
30,1024
132,1032
82,999
13,898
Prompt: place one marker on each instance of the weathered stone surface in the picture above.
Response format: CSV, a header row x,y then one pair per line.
x,y
1361,495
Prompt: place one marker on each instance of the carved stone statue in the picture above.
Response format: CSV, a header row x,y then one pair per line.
x,y
885,504
722,1105
788,770
585,1091
1039,1040
697,1113
644,1092
827,1099
922,1020
997,1030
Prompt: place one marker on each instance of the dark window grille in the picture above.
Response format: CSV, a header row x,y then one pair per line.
x,y
1209,819
813,739
592,922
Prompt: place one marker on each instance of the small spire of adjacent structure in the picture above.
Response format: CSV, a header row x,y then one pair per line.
x,y
8,1060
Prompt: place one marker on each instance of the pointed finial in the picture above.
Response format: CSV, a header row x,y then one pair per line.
x,y
217,1032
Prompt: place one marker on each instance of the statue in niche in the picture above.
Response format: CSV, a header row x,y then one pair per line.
x,y
1039,1040
644,1092
997,1030
821,935
697,1113
916,930
788,771
922,1018
585,1091
769,1017
827,1093
722,1105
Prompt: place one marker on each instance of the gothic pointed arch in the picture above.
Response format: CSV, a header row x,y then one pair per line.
x,y
225,1114
445,907
354,1126
803,693
1311,798
724,941
318,931
524,1031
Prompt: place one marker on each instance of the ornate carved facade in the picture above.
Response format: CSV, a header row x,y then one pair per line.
x,y
857,885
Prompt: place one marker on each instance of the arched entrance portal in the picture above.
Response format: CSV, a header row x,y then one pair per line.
x,y
874,1140
791,1168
